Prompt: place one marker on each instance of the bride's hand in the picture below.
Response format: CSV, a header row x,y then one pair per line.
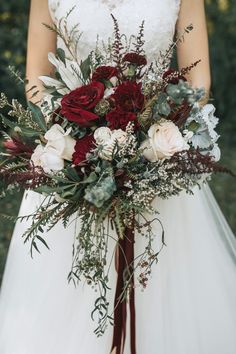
x,y
204,100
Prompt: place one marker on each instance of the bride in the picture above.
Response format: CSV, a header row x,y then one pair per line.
x,y
189,304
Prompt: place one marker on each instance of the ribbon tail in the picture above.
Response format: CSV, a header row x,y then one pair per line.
x,y
132,310
125,254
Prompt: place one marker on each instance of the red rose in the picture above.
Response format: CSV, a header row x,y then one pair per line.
x,y
77,105
135,58
118,119
128,96
105,73
82,147
173,76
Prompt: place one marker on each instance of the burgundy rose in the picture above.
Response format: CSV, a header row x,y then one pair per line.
x,y
128,96
16,147
105,73
118,119
173,76
77,105
82,147
134,58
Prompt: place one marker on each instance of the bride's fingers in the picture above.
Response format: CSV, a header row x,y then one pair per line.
x,y
113,351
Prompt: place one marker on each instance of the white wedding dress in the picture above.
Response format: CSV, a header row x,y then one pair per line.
x,y
189,306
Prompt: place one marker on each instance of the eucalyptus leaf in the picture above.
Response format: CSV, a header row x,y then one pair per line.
x,y
177,100
162,98
100,192
173,91
162,106
91,178
164,109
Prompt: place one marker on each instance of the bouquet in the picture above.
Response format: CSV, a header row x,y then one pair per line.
x,y
113,132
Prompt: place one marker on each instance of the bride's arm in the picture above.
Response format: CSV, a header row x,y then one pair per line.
x,y
40,42
195,44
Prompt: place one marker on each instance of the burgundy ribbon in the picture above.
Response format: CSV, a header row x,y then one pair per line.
x,y
125,260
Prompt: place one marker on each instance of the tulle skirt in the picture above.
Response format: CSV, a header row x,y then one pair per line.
x,y
189,306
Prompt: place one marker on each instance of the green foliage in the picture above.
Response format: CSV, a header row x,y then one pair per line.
x,y
222,29
13,23
101,191
38,116
85,67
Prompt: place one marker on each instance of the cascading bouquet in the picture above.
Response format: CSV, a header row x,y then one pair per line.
x,y
112,133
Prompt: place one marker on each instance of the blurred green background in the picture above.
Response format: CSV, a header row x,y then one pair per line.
x,y
221,15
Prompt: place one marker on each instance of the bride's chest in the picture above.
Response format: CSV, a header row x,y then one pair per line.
x,y
94,18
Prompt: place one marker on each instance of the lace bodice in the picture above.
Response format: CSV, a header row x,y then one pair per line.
x,y
94,19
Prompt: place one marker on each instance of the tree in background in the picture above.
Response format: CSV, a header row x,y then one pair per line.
x,y
222,29
13,34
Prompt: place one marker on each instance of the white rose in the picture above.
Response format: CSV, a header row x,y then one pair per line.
x,y
164,140
36,156
102,135
60,141
47,158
